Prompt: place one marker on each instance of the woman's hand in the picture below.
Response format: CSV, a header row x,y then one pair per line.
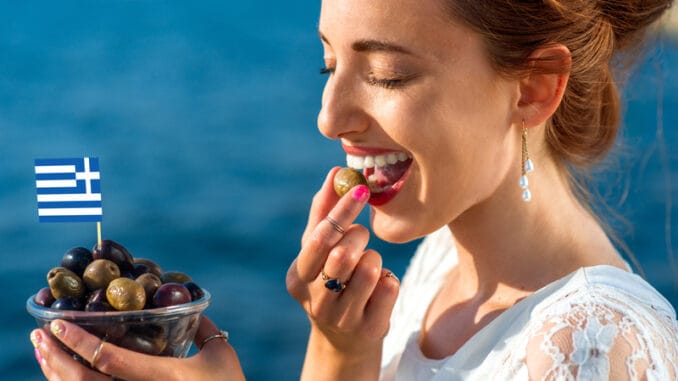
x,y
348,326
216,360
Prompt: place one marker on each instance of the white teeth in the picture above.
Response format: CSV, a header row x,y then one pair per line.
x,y
361,162
372,178
368,162
380,160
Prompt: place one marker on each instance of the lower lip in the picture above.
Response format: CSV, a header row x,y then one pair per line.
x,y
381,198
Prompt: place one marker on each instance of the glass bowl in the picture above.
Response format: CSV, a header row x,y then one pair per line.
x,y
166,331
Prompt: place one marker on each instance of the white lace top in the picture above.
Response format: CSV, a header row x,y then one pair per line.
x,y
597,323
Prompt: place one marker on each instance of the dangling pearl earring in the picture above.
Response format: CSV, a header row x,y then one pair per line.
x,y
527,167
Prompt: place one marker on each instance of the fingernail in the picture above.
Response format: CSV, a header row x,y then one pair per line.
x,y
361,193
36,338
38,356
392,275
57,328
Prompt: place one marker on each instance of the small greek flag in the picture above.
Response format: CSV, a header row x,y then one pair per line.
x,y
69,190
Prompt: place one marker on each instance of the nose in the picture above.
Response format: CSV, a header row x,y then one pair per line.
x,y
342,113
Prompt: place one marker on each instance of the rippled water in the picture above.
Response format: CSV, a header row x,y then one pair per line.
x,y
203,118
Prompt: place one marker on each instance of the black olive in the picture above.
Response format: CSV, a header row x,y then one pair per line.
x,y
77,259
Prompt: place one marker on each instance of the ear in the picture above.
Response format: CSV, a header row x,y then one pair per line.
x,y
542,90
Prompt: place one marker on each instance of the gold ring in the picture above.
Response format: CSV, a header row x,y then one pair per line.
x,y
97,353
335,225
221,335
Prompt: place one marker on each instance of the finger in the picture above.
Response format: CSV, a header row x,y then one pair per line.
x,y
344,256
363,282
58,364
219,354
323,201
206,329
112,360
325,235
380,306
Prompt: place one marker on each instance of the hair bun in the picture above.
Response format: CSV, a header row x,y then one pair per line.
x,y
630,18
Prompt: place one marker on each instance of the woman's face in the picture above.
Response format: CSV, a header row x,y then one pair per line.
x,y
415,93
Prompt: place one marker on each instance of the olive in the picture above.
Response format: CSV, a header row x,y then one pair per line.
x,y
150,339
77,259
174,277
171,294
98,306
115,252
69,303
150,282
151,265
195,290
100,273
124,294
347,178
98,295
64,282
44,297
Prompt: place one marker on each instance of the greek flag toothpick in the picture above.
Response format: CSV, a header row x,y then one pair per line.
x,y
69,190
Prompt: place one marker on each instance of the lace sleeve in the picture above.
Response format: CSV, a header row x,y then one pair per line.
x,y
591,335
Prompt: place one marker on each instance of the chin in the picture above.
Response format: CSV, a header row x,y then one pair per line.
x,y
393,230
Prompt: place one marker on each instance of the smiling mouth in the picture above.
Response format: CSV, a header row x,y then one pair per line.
x,y
383,172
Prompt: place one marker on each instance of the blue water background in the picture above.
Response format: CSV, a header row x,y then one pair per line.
x,y
203,117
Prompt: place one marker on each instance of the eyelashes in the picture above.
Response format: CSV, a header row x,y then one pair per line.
x,y
372,79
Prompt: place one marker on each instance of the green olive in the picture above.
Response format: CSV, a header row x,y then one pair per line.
x,y
150,282
100,273
346,179
125,294
64,282
174,277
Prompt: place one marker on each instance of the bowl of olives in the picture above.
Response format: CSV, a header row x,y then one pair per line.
x,y
129,302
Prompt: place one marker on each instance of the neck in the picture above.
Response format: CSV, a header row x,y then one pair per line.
x,y
507,245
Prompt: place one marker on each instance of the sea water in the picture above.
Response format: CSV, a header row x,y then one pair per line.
x,y
203,117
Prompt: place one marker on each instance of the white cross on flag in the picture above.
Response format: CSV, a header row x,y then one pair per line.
x,y
69,190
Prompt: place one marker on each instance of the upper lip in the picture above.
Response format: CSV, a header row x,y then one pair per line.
x,y
366,151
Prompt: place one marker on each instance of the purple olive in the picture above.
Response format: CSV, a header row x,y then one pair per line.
x,y
44,297
115,252
195,290
77,259
148,264
98,295
171,294
69,303
98,307
150,339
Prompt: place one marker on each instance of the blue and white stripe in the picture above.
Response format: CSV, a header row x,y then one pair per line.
x,y
69,190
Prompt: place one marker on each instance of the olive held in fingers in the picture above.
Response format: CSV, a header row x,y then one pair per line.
x,y
347,178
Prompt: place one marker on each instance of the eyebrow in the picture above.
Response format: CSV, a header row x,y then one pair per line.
x,y
369,46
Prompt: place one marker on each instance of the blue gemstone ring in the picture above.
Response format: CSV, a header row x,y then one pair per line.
x,y
332,284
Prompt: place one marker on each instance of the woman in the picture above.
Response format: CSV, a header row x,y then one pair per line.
x,y
474,94
477,115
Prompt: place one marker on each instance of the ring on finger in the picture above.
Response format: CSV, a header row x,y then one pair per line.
x,y
97,353
223,335
335,225
332,284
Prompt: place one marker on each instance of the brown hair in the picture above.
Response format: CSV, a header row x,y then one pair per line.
x,y
585,125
